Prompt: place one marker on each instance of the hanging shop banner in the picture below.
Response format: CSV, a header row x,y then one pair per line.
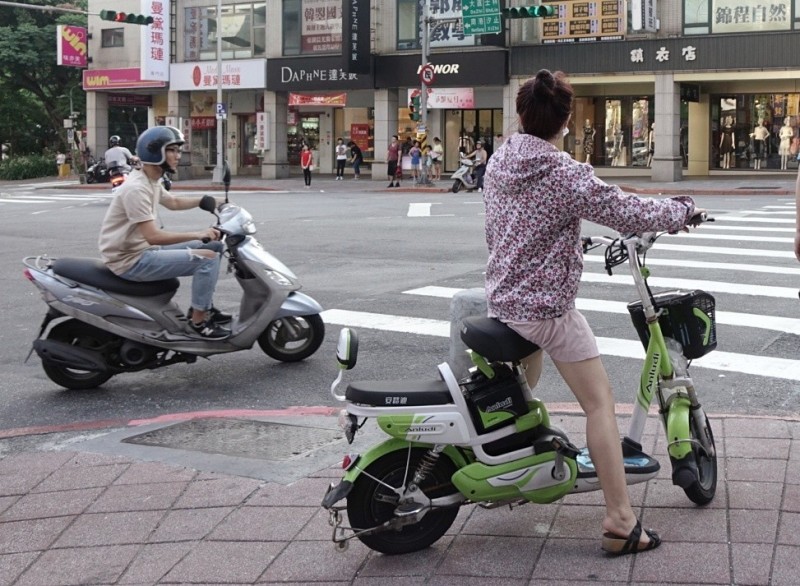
x,y
155,41
321,26
336,100
580,21
238,74
195,32
204,122
745,16
262,132
71,46
114,79
453,98
355,45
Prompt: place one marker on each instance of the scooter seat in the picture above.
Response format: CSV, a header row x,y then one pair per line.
x,y
92,271
405,393
494,340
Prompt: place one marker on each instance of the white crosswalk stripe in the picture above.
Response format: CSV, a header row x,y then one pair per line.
x,y
763,287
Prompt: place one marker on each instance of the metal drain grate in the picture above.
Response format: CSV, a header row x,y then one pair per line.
x,y
239,437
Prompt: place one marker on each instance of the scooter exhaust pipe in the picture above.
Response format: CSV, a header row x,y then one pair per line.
x,y
70,356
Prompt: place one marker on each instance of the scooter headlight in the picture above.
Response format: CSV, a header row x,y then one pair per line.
x,y
249,227
278,278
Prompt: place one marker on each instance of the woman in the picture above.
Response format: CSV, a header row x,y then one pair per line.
x,y
306,163
357,157
480,156
536,197
437,154
393,160
416,157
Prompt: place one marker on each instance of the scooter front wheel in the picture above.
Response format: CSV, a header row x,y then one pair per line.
x,y
291,339
702,490
372,502
90,178
456,186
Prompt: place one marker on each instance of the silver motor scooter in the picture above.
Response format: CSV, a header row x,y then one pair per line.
x,y
464,177
99,325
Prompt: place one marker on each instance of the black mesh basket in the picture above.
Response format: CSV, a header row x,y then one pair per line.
x,y
687,316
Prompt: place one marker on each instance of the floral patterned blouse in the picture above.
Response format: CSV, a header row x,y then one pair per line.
x,y
536,197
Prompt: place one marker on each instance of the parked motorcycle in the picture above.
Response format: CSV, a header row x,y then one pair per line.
x,y
99,325
96,171
464,177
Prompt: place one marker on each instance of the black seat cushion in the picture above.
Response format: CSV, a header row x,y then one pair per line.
x,y
93,272
494,340
402,393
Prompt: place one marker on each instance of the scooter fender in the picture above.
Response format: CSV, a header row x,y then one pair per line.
x,y
337,493
678,428
298,304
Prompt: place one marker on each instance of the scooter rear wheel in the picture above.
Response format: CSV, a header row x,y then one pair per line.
x,y
77,333
371,503
456,186
291,339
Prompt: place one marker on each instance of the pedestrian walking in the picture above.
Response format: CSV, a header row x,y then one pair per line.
x,y
341,158
356,158
307,164
392,159
61,163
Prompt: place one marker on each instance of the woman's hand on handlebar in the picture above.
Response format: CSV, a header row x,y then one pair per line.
x,y
699,216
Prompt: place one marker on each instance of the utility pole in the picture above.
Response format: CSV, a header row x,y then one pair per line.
x,y
218,168
422,129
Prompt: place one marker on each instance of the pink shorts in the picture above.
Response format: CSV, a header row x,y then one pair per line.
x,y
567,338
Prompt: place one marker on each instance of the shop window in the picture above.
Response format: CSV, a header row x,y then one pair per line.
x,y
242,30
302,128
312,27
112,37
462,128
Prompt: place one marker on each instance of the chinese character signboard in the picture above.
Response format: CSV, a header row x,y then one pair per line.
x,y
355,36
195,33
155,41
359,134
481,17
454,98
71,46
238,74
321,26
447,27
339,100
581,21
745,16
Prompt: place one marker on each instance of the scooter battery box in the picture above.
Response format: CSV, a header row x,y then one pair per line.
x,y
494,402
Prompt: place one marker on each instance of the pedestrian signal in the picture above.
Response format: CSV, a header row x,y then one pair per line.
x,y
529,11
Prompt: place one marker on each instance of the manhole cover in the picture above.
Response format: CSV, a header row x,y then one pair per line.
x,y
239,437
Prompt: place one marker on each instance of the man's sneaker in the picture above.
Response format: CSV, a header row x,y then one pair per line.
x,y
210,330
214,316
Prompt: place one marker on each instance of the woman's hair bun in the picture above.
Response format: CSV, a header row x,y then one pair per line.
x,y
544,85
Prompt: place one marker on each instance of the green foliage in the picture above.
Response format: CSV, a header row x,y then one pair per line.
x,y
34,91
28,167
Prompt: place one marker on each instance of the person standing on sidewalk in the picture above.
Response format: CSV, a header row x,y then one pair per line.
x,y
437,154
341,159
536,197
416,157
393,158
307,164
357,157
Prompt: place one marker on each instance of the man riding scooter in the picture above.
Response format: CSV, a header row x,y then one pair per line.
x,y
119,160
134,247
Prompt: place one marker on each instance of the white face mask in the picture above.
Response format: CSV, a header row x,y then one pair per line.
x,y
565,132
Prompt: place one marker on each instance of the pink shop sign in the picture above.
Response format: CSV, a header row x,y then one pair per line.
x,y
451,98
112,79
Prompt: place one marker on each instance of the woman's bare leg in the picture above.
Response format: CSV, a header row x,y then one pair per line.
x,y
590,385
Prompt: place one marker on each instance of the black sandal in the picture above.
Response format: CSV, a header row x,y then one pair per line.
x,y
620,545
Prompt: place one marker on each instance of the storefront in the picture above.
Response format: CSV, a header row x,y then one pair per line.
x,y
322,103
242,98
664,107
465,99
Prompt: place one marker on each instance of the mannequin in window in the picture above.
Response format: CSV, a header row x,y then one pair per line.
x,y
726,143
588,141
785,134
619,155
651,143
759,135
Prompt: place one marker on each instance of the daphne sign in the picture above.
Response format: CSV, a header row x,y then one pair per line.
x,y
71,46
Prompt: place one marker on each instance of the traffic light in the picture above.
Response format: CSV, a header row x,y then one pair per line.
x,y
414,108
529,11
125,18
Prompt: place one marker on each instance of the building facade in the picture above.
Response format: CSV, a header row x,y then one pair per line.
x,y
699,88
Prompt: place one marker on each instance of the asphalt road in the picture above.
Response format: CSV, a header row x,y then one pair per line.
x,y
392,254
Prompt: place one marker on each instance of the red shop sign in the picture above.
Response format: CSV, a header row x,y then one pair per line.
x,y
203,122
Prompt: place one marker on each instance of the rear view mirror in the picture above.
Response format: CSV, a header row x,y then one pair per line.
x,y
347,349
208,203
